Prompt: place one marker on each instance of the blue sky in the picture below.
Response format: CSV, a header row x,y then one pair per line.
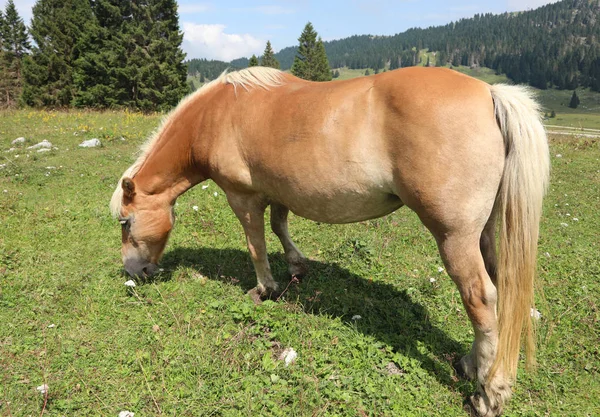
x,y
236,28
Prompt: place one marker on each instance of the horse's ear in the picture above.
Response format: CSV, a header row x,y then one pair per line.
x,y
128,187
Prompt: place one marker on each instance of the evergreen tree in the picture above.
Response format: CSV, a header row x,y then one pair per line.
x,y
253,61
268,58
101,75
574,100
132,56
56,28
157,76
13,48
367,72
311,61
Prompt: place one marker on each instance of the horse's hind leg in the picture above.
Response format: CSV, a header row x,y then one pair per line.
x,y
463,259
279,224
467,366
250,210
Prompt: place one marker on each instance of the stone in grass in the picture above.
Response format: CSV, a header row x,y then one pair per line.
x,y
42,145
126,413
18,141
393,369
92,143
288,356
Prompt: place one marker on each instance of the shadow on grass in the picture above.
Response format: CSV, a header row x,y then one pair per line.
x,y
388,314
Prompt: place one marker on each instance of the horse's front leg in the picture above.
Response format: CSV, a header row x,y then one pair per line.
x,y
297,264
250,210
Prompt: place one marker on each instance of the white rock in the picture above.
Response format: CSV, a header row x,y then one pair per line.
x,y
547,254
204,187
50,326
558,155
126,413
130,283
43,144
440,269
564,224
43,389
18,140
575,219
432,280
289,356
535,314
195,208
43,150
215,193
92,143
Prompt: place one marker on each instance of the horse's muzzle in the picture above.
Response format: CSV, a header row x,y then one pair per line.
x,y
139,269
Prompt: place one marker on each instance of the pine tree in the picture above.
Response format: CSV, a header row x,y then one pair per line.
x,y
162,79
574,100
14,47
310,62
253,61
101,75
56,28
367,72
132,56
268,58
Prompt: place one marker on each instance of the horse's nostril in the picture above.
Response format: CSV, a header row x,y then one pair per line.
x,y
145,270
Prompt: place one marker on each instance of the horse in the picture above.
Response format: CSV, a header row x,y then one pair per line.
x,y
469,158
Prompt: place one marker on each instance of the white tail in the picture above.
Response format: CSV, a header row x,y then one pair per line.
x,y
519,207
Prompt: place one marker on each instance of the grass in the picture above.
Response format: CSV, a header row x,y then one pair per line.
x,y
192,342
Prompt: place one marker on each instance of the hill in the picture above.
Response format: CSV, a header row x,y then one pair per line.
x,y
557,45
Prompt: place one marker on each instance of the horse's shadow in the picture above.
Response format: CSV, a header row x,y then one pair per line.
x,y
387,314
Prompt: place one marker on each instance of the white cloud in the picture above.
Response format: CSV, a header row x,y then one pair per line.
x,y
521,5
211,42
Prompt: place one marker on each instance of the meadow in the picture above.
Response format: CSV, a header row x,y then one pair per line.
x,y
376,323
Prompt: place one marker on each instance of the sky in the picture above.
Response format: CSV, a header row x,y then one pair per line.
x,y
214,29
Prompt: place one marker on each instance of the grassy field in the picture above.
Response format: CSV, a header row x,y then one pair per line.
x,y
192,343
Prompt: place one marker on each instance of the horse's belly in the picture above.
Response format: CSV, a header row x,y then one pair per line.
x,y
344,208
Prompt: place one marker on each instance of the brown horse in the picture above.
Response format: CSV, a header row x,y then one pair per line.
x,y
465,156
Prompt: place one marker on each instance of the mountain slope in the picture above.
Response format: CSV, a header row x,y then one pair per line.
x,y
554,45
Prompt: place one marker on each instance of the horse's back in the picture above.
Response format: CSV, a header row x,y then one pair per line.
x,y
348,150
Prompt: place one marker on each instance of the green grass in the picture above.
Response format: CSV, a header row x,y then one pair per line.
x,y
192,342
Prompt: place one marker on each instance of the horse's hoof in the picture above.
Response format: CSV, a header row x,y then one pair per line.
x,y
258,296
477,406
255,295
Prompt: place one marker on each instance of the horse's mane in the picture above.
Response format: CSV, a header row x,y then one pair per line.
x,y
262,77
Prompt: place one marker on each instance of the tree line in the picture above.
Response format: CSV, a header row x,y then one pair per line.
x,y
93,53
557,45
310,60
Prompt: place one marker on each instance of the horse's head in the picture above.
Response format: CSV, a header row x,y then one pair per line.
x,y
146,221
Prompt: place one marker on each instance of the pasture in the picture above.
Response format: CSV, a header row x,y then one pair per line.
x,y
376,323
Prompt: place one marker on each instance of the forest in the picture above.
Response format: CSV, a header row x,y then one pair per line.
x,y
556,45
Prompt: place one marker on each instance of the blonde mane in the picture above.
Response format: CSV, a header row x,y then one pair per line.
x,y
261,77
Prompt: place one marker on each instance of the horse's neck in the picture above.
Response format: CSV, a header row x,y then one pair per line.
x,y
170,167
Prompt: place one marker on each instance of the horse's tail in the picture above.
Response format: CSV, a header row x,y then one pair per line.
x,y
518,208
